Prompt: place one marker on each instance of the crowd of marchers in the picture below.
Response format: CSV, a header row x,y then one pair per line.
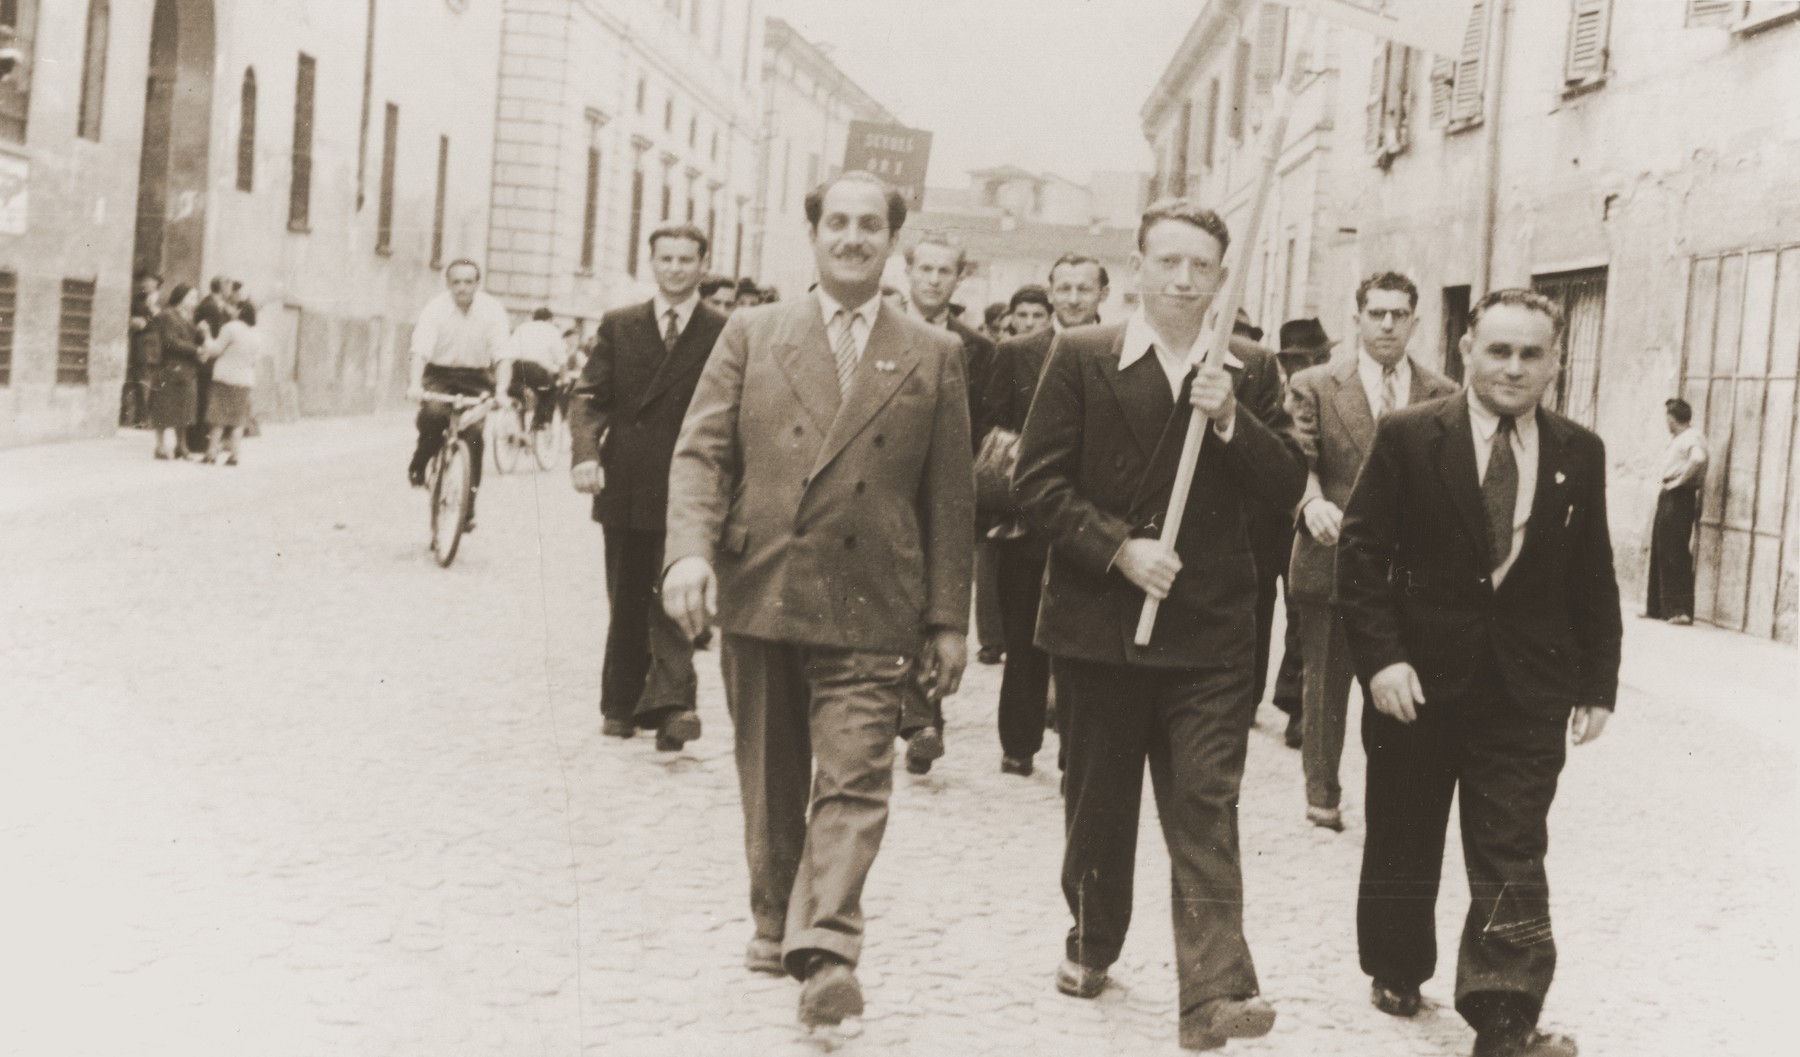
x,y
830,481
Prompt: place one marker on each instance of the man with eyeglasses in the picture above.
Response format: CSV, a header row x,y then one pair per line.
x,y
1335,408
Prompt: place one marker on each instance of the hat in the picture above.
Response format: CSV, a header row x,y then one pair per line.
x,y
1305,335
1242,325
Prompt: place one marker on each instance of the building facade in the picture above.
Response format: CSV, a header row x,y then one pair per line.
x,y
808,105
329,155
613,117
1632,161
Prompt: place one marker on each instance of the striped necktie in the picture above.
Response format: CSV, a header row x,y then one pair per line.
x,y
672,333
843,348
1500,491
1390,391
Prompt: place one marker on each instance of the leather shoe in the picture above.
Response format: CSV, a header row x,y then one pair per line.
x,y
1208,1027
618,728
1292,736
830,994
925,745
1079,981
1533,1043
1326,818
990,655
1681,621
763,955
1394,1000
1015,765
681,727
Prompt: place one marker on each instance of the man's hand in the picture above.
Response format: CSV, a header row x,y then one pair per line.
x,y
1324,520
1588,722
942,660
1146,564
415,394
1397,692
587,478
690,595
1212,394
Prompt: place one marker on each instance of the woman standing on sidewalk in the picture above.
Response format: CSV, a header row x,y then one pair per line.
x,y
233,376
173,354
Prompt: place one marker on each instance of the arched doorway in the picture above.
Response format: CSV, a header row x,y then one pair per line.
x,y
172,172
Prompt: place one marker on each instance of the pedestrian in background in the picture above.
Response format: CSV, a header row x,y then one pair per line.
x,y
720,293
1671,596
993,322
134,399
211,315
1097,462
459,348
536,350
1028,310
173,353
1336,410
233,359
821,503
627,412
1475,579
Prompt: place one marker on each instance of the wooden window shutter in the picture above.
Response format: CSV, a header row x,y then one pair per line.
x,y
1711,12
1240,89
1271,45
1467,96
1585,62
1443,83
1374,109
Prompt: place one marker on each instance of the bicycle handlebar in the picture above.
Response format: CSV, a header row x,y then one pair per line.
x,y
456,399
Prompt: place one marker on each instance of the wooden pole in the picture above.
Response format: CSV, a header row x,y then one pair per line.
x,y
1216,337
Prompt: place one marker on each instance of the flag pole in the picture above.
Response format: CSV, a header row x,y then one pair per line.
x,y
1216,338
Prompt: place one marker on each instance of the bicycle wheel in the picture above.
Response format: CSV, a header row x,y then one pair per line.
x,y
504,438
544,442
450,489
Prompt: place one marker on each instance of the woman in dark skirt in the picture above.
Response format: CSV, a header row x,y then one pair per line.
x,y
174,355
234,359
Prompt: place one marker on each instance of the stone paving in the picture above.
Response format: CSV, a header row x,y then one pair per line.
x,y
273,783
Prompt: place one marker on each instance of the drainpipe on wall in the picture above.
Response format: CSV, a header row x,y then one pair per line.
x,y
1498,25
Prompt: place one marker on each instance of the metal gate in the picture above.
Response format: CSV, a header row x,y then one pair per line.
x,y
1738,371
1582,296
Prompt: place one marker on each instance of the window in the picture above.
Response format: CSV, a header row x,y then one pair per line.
x,y
246,154
637,218
668,193
1388,129
643,90
715,145
300,181
1584,64
368,95
669,114
437,206
18,18
1711,12
1456,324
1271,45
693,131
74,332
590,209
93,70
1757,15
1582,296
1240,89
1210,134
1178,166
1457,92
384,210
9,303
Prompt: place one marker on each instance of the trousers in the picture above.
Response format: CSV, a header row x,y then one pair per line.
x,y
1324,712
814,738
1025,681
648,670
1671,554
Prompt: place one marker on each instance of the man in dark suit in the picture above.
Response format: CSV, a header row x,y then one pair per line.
x,y
1097,462
1078,284
1475,578
1336,407
628,409
822,505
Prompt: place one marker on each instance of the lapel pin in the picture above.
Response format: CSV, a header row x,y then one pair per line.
x,y
1559,477
884,365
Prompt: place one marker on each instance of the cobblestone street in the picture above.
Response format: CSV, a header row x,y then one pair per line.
x,y
273,783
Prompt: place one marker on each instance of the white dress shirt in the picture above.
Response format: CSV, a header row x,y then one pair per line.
x,y
1525,453
1369,369
862,319
1684,460
449,337
1141,340
683,312
538,341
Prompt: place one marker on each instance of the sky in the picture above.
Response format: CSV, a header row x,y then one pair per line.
x,y
1044,84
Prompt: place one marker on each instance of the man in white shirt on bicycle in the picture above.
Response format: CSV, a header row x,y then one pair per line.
x,y
538,351
459,348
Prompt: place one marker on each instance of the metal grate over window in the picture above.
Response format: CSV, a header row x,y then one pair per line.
x,y
75,332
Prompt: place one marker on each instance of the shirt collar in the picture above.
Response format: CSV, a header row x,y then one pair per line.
x,y
1371,367
1140,336
682,311
1486,422
831,306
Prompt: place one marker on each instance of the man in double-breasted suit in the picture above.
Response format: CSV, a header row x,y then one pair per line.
x,y
1098,459
1475,577
822,505
1335,407
629,405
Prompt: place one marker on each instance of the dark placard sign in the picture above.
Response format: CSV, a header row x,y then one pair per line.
x,y
895,153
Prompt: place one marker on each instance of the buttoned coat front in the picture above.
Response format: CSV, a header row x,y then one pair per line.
x,y
830,520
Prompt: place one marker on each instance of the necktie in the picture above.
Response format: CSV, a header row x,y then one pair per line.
x,y
1500,491
1390,391
672,332
843,348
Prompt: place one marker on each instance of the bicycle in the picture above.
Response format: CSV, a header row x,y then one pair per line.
x,y
449,477
518,431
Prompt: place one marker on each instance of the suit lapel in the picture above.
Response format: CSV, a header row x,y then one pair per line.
x,y
1423,388
1142,392
1353,406
1462,477
1546,493
804,354
690,350
887,360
